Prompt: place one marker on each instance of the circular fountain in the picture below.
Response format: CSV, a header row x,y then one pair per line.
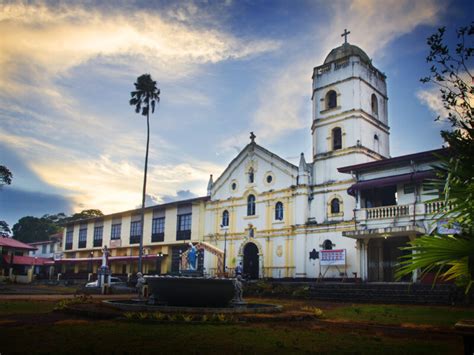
x,y
191,293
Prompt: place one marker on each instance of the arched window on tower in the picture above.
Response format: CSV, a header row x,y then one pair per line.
x,y
331,99
251,205
327,245
336,138
279,211
375,105
225,218
335,206
251,176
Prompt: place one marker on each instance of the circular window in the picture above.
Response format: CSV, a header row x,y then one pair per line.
x,y
269,178
234,186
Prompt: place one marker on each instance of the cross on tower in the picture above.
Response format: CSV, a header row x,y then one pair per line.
x,y
252,137
345,34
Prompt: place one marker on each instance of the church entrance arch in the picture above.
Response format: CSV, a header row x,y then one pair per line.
x,y
251,260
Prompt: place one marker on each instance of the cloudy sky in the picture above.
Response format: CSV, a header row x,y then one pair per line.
x,y
224,68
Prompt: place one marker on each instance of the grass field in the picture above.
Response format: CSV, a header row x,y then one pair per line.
x,y
121,337
32,327
395,314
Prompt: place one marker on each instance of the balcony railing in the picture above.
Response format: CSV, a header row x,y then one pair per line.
x,y
158,237
388,211
97,242
183,235
438,207
134,239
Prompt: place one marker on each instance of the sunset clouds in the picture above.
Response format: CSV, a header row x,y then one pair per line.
x,y
224,68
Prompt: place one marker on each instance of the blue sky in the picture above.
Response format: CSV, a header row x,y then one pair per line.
x,y
224,68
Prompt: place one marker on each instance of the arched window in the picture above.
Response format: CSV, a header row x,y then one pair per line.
x,y
251,205
335,206
327,245
279,211
336,138
331,99
225,218
375,105
251,176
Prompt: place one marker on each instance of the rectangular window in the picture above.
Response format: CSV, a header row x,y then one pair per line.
x,y
135,232
158,229
116,231
184,227
98,236
51,248
43,249
408,189
82,236
69,236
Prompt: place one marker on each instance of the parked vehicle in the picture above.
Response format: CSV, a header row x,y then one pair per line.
x,y
114,281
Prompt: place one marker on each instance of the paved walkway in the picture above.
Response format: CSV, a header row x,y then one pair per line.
x,y
59,297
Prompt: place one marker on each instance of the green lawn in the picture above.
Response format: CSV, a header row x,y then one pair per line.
x,y
62,333
397,314
25,307
129,337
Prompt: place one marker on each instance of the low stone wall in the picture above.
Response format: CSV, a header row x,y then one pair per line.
x,y
397,293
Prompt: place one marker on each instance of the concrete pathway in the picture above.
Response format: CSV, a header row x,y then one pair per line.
x,y
7,297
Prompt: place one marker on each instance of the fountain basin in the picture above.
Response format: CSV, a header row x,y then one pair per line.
x,y
135,306
191,291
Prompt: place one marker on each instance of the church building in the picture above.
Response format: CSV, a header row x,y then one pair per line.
x,y
341,213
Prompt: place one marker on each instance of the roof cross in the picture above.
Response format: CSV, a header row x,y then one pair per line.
x,y
252,137
345,34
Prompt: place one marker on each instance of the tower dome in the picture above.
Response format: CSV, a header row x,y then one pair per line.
x,y
346,50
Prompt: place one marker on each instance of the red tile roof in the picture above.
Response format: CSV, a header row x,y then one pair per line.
x,y
15,244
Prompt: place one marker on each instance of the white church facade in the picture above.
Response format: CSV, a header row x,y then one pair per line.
x,y
343,213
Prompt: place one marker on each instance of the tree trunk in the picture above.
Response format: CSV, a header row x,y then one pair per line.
x,y
140,251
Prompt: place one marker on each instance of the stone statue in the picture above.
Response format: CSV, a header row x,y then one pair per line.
x,y
238,290
140,284
192,257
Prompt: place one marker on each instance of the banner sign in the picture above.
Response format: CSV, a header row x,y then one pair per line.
x,y
115,243
333,257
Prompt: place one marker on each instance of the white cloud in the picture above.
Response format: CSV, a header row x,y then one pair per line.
x,y
52,40
431,98
108,183
93,156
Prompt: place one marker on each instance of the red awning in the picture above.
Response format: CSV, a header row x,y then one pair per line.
x,y
111,259
391,180
26,260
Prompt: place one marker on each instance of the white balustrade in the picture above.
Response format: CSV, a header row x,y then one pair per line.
x,y
438,206
387,211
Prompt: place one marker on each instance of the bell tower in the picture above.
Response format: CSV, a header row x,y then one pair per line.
x,y
350,123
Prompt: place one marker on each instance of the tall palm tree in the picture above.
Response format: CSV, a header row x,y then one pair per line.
x,y
144,98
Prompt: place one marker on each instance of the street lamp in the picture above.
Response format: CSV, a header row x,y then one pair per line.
x,y
225,246
158,262
90,261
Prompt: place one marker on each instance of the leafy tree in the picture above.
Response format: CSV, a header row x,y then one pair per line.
x,y
32,229
4,228
5,176
144,98
451,256
5,179
84,215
